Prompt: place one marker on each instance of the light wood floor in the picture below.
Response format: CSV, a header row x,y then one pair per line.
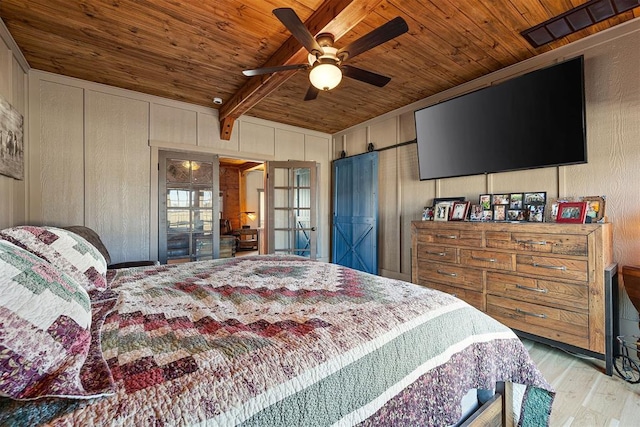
x,y
585,395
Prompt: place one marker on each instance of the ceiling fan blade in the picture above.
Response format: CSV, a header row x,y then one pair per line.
x,y
269,70
290,19
382,34
312,93
365,76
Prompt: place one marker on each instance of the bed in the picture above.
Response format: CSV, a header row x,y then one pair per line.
x,y
256,340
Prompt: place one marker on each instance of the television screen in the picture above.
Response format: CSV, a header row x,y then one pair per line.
x,y
531,121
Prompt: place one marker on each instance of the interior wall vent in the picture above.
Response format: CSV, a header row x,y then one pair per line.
x,y
576,19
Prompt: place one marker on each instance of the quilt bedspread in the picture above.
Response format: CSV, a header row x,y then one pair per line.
x,y
282,341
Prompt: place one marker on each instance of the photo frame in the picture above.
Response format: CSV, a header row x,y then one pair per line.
x,y
516,201
485,201
441,211
572,212
537,198
459,211
427,213
487,215
595,208
500,199
515,215
536,213
449,200
475,213
499,212
11,141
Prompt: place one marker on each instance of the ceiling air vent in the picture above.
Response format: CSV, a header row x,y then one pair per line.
x,y
576,19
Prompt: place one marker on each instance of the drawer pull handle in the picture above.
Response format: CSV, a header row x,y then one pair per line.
x,y
483,259
550,267
436,253
528,288
447,236
528,313
531,242
444,273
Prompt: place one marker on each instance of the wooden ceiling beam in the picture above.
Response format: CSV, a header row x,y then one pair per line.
x,y
334,16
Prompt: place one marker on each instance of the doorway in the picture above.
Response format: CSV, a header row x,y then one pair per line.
x,y
188,210
292,208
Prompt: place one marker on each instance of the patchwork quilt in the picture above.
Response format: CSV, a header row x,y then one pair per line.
x,y
283,341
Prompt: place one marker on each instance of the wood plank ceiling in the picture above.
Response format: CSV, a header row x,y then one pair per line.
x,y
195,50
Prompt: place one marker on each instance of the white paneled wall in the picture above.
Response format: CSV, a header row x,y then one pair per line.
x,y
117,187
612,86
56,156
95,148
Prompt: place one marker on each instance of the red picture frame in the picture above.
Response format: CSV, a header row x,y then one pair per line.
x,y
459,211
572,212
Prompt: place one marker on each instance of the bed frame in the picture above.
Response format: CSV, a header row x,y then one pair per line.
x,y
495,412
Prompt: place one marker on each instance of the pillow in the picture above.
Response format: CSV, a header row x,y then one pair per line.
x,y
65,250
45,321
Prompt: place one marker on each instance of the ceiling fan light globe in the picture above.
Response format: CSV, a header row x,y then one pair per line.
x,y
325,76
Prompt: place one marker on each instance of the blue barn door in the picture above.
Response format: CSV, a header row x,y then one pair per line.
x,y
355,212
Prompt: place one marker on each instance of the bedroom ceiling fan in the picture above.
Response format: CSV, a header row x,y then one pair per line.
x,y
326,63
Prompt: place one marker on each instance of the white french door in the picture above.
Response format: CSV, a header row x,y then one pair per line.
x,y
292,208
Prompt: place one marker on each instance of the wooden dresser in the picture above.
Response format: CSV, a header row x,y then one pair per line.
x,y
549,282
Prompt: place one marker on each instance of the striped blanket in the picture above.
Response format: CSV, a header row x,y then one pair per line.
x,y
282,341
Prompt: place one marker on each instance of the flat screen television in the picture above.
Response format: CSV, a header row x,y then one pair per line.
x,y
531,121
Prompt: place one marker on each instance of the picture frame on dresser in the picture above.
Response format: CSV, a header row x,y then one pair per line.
x,y
441,211
485,201
535,198
500,212
595,208
572,212
459,211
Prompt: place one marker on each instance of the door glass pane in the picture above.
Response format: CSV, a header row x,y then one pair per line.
x,y
177,198
281,178
282,240
202,172
202,220
178,220
303,177
280,197
178,170
202,198
303,198
281,218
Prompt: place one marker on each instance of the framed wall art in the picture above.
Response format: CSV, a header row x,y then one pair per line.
x,y
11,141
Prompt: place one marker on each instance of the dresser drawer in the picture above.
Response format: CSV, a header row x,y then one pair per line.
x,y
451,236
558,268
567,296
437,253
548,322
487,259
464,277
473,298
561,244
